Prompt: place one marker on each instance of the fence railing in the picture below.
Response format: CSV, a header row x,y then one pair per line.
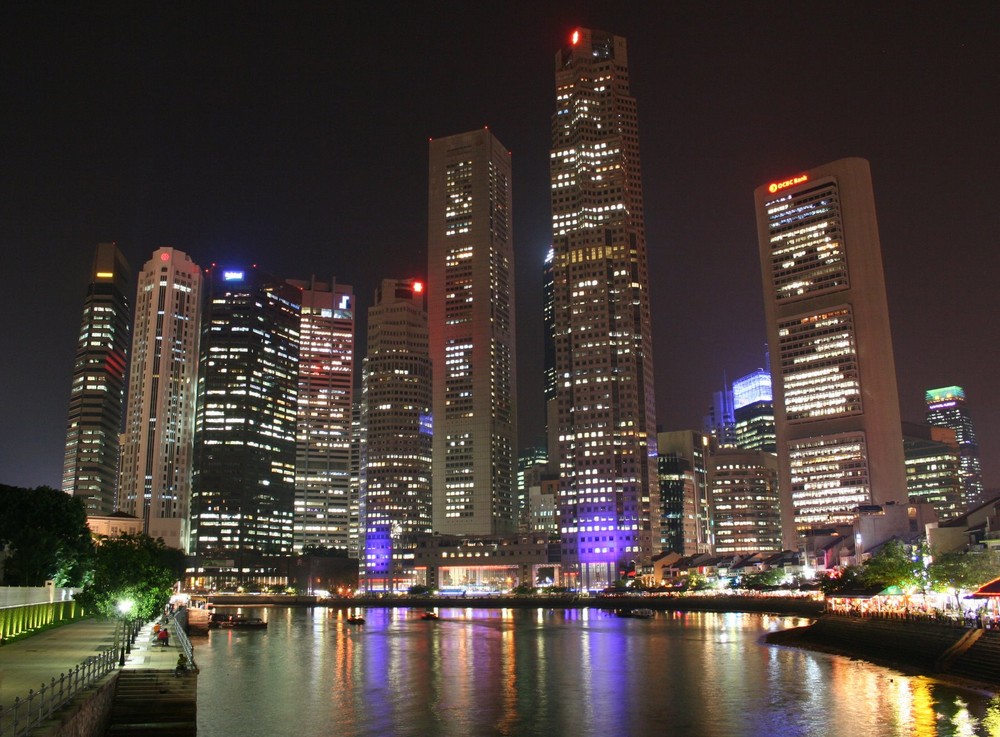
x,y
181,636
38,706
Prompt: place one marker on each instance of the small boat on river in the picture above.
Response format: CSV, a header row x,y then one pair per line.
x,y
236,621
429,615
355,619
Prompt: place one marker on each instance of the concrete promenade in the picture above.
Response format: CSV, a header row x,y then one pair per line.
x,y
28,663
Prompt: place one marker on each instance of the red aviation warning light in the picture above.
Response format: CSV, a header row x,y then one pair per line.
x,y
575,38
418,287
776,186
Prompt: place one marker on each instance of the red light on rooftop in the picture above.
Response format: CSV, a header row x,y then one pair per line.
x,y
418,287
164,257
575,38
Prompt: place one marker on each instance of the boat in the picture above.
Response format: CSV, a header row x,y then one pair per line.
x,y
430,616
355,619
635,613
236,621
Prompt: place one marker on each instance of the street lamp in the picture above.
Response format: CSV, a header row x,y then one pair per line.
x,y
125,607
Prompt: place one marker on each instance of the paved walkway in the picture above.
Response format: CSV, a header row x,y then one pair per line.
x,y
28,663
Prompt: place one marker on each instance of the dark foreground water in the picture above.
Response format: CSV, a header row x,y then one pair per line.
x,y
578,673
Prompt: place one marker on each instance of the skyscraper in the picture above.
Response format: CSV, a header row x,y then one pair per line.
x,y
90,463
323,433
753,410
684,511
746,512
243,486
605,409
158,442
933,468
396,414
470,265
946,407
720,422
836,407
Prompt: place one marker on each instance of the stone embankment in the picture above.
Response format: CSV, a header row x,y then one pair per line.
x,y
968,655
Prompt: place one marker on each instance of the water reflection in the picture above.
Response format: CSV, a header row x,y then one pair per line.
x,y
552,672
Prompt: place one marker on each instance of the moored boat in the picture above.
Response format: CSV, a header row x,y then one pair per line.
x,y
236,621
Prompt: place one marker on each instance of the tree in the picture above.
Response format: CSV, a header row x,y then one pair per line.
x,y
46,537
136,568
962,572
762,580
847,579
895,564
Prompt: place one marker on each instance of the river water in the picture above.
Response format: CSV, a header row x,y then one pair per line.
x,y
577,672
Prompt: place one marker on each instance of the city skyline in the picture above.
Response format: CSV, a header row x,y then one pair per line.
x,y
200,152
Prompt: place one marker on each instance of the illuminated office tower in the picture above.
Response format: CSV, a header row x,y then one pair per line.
x,y
746,511
158,442
720,422
933,468
836,408
470,265
243,486
396,414
753,411
605,409
90,463
323,433
946,407
532,469
684,512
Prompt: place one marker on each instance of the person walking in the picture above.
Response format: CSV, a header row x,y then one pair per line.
x,y
163,637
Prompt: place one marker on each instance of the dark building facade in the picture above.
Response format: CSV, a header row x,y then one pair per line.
x,y
243,486
97,395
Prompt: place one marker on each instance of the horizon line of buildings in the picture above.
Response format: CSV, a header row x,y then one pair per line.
x,y
241,439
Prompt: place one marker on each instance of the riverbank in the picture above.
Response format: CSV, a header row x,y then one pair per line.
x,y
788,605
970,658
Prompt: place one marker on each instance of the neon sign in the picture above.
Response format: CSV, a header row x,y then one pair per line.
x,y
232,275
776,186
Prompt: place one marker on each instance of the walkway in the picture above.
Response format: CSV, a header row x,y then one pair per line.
x,y
26,664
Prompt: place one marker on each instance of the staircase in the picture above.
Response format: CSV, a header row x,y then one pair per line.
x,y
154,703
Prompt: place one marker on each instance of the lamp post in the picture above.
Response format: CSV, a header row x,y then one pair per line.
x,y
125,607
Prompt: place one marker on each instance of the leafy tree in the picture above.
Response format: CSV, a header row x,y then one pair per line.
x,y
46,537
848,579
760,580
133,567
419,590
963,571
895,564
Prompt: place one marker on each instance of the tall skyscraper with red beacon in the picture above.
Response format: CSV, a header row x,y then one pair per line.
x,y
605,410
158,442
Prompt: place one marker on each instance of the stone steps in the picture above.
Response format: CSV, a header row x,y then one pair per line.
x,y
155,703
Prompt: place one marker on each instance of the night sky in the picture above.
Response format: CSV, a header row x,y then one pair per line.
x,y
295,136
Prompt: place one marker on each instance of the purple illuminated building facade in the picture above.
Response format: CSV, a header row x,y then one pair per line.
x,y
605,414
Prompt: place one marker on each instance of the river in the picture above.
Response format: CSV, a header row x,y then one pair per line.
x,y
575,672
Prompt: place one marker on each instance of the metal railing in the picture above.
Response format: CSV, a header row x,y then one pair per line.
x,y
39,706
182,638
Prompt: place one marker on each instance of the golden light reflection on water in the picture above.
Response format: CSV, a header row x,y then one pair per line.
x,y
585,673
